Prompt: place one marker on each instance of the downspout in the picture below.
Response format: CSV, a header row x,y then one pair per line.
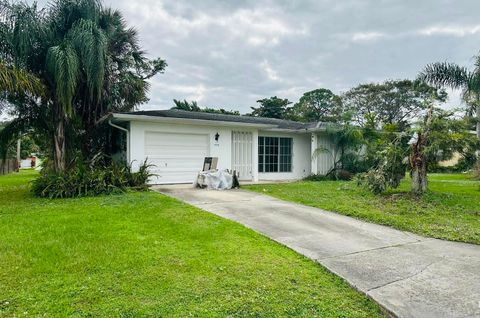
x,y
127,135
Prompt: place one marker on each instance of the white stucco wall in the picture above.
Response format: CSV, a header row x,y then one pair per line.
x,y
301,158
221,149
301,163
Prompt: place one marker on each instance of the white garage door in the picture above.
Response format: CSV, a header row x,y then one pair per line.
x,y
177,157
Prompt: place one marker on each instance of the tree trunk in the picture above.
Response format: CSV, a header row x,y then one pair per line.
x,y
419,177
477,110
59,140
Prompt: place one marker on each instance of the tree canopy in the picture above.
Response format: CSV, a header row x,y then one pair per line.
x,y
317,105
392,102
193,107
88,62
457,77
272,107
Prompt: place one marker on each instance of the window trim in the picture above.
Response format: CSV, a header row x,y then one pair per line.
x,y
279,154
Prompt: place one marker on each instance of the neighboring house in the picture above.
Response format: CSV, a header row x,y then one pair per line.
x,y
31,162
177,142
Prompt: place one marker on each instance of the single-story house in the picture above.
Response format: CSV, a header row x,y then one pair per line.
x,y
176,143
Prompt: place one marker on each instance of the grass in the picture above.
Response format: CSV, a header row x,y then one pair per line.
x,y
147,255
450,210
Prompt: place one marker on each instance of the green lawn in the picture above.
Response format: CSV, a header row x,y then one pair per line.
x,y
450,210
147,255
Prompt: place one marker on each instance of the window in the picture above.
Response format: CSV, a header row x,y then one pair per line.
x,y
274,154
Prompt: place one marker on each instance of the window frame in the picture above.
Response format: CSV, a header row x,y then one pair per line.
x,y
282,151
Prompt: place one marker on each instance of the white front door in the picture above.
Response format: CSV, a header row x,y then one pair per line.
x,y
177,157
242,143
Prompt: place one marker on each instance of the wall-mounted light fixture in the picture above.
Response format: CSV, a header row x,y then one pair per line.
x,y
217,136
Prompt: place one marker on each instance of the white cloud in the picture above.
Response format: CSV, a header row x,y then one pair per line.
x,y
366,36
451,30
188,92
255,27
269,71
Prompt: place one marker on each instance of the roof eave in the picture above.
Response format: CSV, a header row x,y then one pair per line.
x,y
203,122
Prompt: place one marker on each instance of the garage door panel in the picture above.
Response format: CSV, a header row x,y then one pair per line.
x,y
175,151
177,157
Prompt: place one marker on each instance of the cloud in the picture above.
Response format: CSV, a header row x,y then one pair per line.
x,y
231,53
367,36
253,26
451,30
269,71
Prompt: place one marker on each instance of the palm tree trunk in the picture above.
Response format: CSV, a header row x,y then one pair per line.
x,y
477,110
59,139
419,177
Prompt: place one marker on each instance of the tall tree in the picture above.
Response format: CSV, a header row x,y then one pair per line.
x,y
193,107
392,102
457,77
89,62
317,105
272,107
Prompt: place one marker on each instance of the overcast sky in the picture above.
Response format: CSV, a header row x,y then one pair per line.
x,y
229,54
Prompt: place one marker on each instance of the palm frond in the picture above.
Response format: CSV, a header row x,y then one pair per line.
x,y
91,44
62,64
446,74
17,81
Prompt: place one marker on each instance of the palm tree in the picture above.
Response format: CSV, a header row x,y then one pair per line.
x,y
89,62
457,77
17,81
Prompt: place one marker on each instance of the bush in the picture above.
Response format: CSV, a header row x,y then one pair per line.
x,y
374,180
333,175
317,177
344,175
90,180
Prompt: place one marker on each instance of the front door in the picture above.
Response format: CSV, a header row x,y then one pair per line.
x,y
242,143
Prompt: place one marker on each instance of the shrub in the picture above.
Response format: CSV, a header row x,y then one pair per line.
x,y
316,177
374,180
94,178
344,175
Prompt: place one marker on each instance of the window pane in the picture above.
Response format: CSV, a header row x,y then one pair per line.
x,y
286,154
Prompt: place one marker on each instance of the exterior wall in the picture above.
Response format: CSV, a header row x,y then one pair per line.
x,y
301,159
324,154
221,149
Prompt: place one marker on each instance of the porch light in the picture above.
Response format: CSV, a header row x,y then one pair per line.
x,y
217,136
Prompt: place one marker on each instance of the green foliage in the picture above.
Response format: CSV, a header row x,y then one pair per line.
x,y
193,107
387,158
63,66
457,77
89,63
374,180
317,105
90,179
345,143
392,102
18,81
272,107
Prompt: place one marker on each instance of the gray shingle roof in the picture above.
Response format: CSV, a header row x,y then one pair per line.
x,y
280,123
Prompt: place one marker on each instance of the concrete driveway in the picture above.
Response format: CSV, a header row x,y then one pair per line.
x,y
408,275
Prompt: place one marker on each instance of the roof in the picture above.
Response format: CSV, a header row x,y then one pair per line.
x,y
272,123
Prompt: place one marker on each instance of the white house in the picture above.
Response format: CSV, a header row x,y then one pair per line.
x,y
176,143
